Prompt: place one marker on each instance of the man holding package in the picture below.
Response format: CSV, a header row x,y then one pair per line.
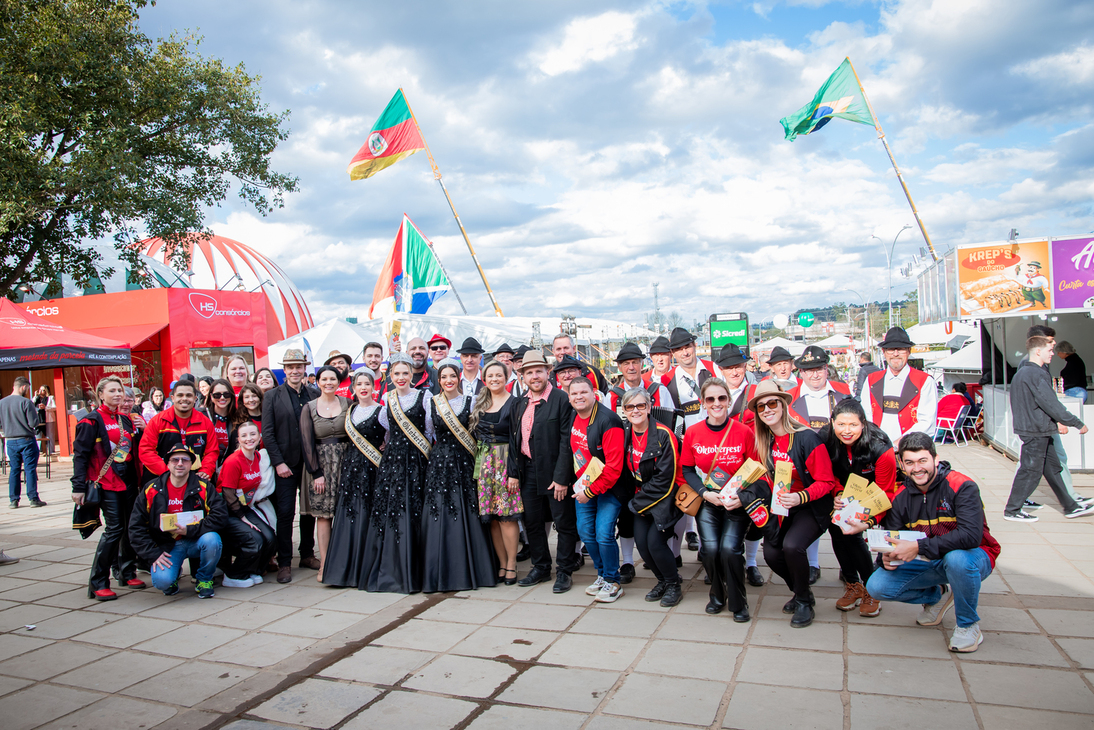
x,y
946,567
177,517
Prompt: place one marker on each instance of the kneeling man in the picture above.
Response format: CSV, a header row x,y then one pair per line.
x,y
946,567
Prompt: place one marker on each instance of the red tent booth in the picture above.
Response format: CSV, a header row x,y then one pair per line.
x,y
40,349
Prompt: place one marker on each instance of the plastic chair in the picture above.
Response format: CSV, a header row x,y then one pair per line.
x,y
953,427
973,425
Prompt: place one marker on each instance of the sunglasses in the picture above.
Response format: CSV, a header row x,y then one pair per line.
x,y
222,396
768,405
716,399
437,347
634,407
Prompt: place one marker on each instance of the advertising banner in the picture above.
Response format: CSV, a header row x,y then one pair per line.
x,y
1072,260
1005,278
730,327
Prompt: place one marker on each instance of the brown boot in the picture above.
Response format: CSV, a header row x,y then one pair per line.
x,y
852,594
870,606
284,575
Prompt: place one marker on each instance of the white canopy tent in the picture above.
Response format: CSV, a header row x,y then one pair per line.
x,y
794,348
835,341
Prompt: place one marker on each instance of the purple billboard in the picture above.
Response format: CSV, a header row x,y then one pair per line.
x,y
1073,271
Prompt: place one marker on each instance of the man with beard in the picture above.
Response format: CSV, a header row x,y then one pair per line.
x,y
343,363
562,346
541,465
373,357
420,376
900,399
781,363
179,423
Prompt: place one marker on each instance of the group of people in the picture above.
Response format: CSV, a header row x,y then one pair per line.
x,y
429,474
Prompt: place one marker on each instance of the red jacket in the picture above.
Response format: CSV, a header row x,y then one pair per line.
x,y
165,431
908,401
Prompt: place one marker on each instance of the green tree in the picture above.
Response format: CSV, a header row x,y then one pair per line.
x,y
104,132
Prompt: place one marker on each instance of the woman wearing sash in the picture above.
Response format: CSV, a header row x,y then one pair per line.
x,y
324,442
345,564
393,561
500,505
455,549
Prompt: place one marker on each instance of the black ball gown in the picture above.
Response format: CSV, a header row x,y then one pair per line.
x,y
346,552
456,550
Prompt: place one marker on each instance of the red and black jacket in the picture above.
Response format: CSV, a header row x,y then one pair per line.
x,y
872,457
605,438
949,511
164,432
145,535
800,413
653,486
813,477
91,448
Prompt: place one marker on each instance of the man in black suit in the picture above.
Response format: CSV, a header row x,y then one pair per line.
x,y
281,409
541,464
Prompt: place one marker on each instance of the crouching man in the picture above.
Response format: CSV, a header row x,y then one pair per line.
x,y
178,491
946,567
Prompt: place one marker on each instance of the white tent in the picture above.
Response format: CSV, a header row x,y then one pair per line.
x,y
320,340
835,341
965,365
794,348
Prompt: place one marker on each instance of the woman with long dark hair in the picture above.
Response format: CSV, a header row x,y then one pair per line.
x,y
808,495
500,505
857,446
221,407
264,379
155,403
456,554
345,564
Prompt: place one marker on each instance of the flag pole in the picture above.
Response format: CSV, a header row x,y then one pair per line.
x,y
899,176
470,248
439,263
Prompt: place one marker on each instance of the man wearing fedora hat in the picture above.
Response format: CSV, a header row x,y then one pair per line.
x,y
281,437
629,360
661,357
471,358
814,397
343,363
900,399
562,346
504,354
540,463
781,364
515,386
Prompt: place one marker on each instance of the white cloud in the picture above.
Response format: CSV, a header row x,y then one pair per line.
x,y
1075,66
589,40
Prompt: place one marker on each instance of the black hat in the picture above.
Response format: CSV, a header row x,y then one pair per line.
x,y
505,348
729,356
471,346
680,337
896,338
660,346
521,351
567,362
629,351
779,354
813,357
180,448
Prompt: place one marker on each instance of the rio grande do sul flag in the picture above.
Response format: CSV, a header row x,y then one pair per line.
x,y
839,96
393,137
412,277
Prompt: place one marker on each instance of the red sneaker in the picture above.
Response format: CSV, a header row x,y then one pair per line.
x,y
104,594
135,584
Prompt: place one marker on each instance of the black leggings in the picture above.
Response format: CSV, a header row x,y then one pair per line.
x,y
249,547
722,534
114,547
798,531
653,546
852,554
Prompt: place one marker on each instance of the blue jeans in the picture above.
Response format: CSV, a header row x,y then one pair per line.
x,y
206,548
596,526
1065,472
920,581
22,457
1076,393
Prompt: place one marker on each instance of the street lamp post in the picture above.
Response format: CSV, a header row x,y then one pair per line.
x,y
865,321
889,262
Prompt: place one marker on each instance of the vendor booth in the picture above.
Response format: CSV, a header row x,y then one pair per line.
x,y
167,331
1009,286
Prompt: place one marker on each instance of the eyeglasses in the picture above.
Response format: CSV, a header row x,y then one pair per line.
x,y
768,405
222,396
437,348
634,407
179,460
716,399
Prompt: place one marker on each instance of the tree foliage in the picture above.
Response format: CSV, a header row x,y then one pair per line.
x,y
105,132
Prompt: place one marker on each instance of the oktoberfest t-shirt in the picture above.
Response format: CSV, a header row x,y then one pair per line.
x,y
703,446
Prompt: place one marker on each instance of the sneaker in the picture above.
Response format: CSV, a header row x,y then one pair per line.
x,y
1020,517
37,503
870,606
933,612
673,595
814,574
610,593
965,639
6,559
14,504
1030,504
236,582
852,596
626,573
205,589
171,589
692,541
594,589
256,579
1080,511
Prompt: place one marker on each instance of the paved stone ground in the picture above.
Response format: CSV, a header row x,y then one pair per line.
x,y
304,655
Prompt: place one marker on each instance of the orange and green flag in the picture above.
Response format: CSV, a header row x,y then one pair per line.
x,y
394,136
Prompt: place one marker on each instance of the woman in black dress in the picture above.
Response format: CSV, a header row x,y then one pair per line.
x,y
346,552
455,549
393,560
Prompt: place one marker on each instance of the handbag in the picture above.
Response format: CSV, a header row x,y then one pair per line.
x,y
687,499
94,493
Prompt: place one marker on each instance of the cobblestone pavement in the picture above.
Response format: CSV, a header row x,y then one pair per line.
x,y
305,655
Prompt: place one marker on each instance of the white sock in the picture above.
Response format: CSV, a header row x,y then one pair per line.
x,y
751,548
626,549
813,552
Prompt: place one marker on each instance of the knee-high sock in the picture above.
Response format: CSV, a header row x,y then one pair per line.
x,y
626,550
813,553
751,548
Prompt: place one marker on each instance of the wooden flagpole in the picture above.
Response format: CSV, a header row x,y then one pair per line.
x,y
899,176
470,248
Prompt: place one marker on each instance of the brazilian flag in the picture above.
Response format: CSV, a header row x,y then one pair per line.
x,y
839,96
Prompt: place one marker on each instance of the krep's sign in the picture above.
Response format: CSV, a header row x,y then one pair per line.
x,y
206,306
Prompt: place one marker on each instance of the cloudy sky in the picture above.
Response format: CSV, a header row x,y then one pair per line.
x,y
595,148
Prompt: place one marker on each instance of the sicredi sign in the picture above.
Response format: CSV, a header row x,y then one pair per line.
x,y
726,328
